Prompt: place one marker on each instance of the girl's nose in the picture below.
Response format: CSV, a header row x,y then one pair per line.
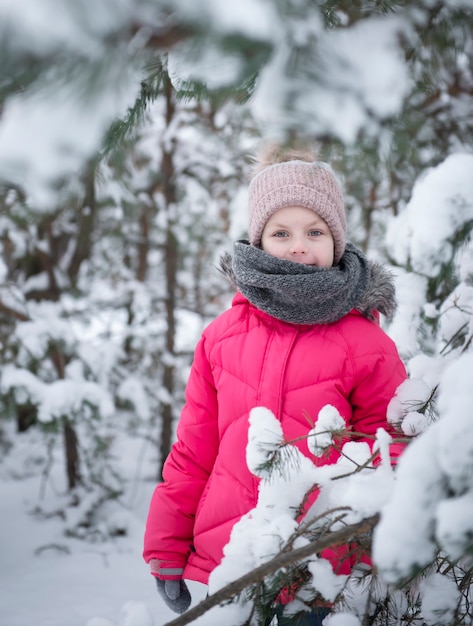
x,y
298,247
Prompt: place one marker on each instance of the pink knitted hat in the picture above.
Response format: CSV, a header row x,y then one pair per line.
x,y
297,183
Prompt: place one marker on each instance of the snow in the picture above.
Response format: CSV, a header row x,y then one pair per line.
x,y
33,337
264,437
132,390
366,59
453,520
65,134
342,619
364,75
253,18
210,67
324,580
432,496
439,599
402,543
50,26
49,579
363,71
329,421
412,394
66,119
455,313
55,399
265,530
442,200
52,581
52,578
410,291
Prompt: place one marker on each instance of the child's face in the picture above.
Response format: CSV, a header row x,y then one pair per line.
x,y
298,234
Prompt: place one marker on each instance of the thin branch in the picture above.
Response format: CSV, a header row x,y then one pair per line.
x,y
280,561
12,312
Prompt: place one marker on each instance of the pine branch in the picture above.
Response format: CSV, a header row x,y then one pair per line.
x,y
126,128
309,525
197,91
280,561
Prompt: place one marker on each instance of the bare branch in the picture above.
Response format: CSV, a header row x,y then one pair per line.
x,y
13,312
283,559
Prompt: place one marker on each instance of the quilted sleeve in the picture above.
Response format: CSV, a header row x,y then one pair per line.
x,y
378,371
170,522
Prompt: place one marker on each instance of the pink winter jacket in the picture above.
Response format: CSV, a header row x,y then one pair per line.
x,y
247,359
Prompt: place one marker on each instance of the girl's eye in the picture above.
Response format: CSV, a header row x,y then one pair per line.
x,y
280,233
315,233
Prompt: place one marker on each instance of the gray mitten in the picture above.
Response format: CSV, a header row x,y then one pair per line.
x,y
175,594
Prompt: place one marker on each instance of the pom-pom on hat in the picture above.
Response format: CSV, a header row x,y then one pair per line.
x,y
311,185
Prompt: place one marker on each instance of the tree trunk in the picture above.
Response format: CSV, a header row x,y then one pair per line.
x,y
71,440
143,245
71,447
86,222
171,263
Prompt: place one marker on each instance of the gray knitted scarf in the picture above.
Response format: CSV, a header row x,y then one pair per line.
x,y
303,294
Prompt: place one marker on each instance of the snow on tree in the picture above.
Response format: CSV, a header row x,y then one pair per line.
x,y
104,295
426,524
90,70
121,156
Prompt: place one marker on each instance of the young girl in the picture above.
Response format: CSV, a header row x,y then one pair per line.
x,y
302,332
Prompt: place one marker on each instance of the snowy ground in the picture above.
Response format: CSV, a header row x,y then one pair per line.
x,y
47,579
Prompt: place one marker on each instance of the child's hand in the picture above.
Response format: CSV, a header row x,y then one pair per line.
x,y
175,594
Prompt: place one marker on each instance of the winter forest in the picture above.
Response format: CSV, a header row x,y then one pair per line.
x,y
126,133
